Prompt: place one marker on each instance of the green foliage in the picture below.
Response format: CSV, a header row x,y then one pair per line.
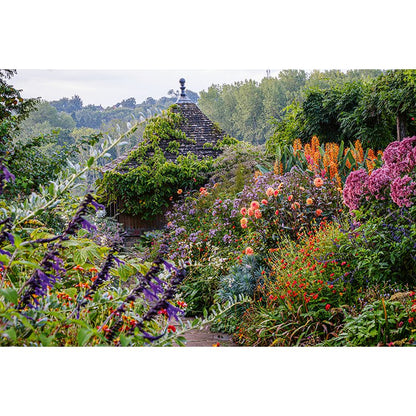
x,y
226,141
374,110
251,111
380,323
37,160
145,182
382,248
13,109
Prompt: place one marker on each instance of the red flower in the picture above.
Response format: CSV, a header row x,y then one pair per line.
x,y
327,307
171,328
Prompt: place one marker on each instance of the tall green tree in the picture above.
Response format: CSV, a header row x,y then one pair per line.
x,y
13,108
395,93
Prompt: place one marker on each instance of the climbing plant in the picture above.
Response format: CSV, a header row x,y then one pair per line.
x,y
146,181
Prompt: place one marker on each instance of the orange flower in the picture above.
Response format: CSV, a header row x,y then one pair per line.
x,y
250,212
179,191
295,205
79,268
277,212
318,182
276,192
264,202
309,201
269,191
257,213
243,211
318,212
254,205
244,222
290,197
249,251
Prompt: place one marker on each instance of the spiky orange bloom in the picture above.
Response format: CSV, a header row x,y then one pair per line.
x,y
257,173
297,146
333,169
359,152
278,167
315,144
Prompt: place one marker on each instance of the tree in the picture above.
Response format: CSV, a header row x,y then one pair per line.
x,y
352,106
395,93
128,103
67,105
13,108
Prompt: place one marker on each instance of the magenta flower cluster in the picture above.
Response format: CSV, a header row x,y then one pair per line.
x,y
395,179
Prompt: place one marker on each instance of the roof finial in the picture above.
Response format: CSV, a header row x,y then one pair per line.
x,y
183,98
182,82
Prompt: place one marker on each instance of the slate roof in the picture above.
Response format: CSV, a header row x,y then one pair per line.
x,y
196,126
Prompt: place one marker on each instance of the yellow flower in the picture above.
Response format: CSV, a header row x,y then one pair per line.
x,y
309,201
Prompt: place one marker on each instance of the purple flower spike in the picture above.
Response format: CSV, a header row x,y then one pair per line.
x,y
118,261
150,296
97,206
9,177
169,266
173,311
151,338
10,237
5,252
87,225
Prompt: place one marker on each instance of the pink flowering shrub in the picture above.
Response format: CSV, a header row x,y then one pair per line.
x,y
401,190
394,180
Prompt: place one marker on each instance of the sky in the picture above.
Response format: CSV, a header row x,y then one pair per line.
x,y
108,87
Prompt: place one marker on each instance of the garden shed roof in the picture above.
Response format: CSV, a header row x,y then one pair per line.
x,y
201,132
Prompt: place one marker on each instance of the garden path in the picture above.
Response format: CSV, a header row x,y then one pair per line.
x,y
205,338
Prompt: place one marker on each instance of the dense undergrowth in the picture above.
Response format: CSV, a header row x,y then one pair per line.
x,y
323,243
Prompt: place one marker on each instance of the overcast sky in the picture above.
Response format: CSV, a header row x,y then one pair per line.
x,y
108,87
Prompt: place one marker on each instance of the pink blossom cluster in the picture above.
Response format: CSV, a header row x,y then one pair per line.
x,y
401,189
354,188
399,158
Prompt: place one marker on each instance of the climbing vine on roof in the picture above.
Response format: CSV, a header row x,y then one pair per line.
x,y
146,181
